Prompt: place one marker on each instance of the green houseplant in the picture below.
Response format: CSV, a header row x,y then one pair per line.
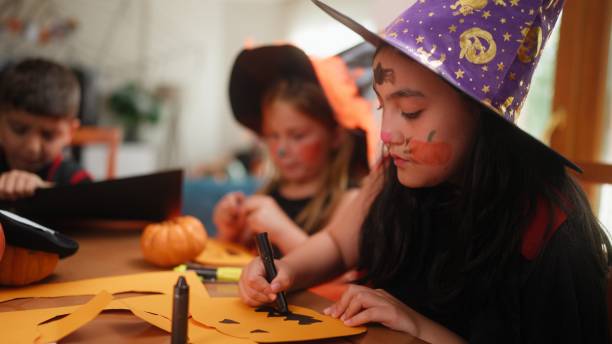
x,y
133,105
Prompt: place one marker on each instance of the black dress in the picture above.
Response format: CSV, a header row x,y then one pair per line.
x,y
559,296
291,207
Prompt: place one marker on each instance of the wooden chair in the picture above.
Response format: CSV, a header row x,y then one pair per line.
x,y
109,136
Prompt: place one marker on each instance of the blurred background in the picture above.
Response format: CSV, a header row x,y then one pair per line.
x,y
158,72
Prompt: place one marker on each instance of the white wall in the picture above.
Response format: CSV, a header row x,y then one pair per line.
x,y
190,45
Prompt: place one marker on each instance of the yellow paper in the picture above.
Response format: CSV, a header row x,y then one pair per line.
x,y
53,331
231,316
217,253
155,282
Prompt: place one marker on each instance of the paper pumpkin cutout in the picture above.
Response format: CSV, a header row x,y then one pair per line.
x,y
151,282
231,316
214,320
218,253
157,310
23,326
56,330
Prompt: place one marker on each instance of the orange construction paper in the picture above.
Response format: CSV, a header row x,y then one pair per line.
x,y
201,334
157,310
22,326
155,282
220,253
53,331
231,316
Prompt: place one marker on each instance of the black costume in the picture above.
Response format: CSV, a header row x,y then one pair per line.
x,y
551,293
61,171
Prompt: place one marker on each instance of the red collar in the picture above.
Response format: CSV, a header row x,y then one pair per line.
x,y
538,233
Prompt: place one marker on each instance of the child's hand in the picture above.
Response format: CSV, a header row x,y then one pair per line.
x,y
229,217
263,214
360,305
16,184
253,287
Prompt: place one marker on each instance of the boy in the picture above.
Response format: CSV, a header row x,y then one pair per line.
x,y
39,100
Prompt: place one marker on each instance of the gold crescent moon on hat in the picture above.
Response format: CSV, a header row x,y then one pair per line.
x,y
468,6
473,49
530,48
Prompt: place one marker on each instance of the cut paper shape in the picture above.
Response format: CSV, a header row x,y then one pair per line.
x,y
265,326
22,326
221,253
300,318
151,282
214,320
157,310
54,331
202,334
228,321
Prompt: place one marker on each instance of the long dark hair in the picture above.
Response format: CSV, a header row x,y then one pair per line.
x,y
504,176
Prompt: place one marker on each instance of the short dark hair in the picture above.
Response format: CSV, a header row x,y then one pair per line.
x,y
39,87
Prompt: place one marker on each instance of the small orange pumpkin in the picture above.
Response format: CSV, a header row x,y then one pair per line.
x,y
173,242
20,266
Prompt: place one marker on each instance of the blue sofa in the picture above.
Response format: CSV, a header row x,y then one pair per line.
x,y
201,195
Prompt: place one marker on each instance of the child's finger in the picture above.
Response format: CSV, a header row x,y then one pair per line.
x,y
9,187
21,185
252,296
281,282
339,307
3,186
364,317
354,307
253,284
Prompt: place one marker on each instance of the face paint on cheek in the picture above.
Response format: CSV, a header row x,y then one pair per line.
x,y
310,153
428,152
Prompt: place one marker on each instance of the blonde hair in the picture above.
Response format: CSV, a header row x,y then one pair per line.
x,y
310,100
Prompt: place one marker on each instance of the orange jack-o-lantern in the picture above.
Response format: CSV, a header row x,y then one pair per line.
x,y
20,266
174,241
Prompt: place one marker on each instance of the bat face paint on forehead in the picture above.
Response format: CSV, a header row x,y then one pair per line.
x,y
383,74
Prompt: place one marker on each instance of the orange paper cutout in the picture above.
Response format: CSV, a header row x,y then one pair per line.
x,y
157,310
218,253
53,331
22,326
160,282
231,316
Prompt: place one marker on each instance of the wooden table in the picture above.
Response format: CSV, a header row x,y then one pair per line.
x,y
107,253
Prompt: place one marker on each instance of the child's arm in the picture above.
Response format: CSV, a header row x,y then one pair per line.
x,y
16,184
263,214
321,257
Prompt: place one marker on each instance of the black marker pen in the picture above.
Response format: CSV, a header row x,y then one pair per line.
x,y
267,257
180,311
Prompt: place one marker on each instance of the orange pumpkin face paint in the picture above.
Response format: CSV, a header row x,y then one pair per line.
x,y
428,152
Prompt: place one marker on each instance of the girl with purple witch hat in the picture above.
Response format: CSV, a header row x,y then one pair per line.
x,y
471,230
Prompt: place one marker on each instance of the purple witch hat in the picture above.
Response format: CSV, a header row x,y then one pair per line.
x,y
488,49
